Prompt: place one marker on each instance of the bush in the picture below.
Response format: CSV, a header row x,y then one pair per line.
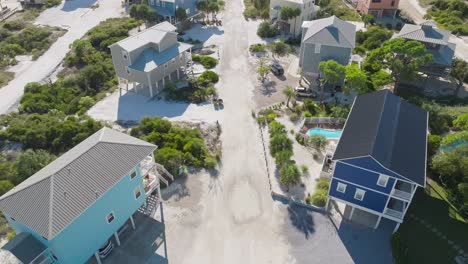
x,y
323,184
389,26
257,48
265,30
209,76
304,169
318,142
307,114
177,146
14,25
319,198
308,199
207,61
51,3
290,175
293,117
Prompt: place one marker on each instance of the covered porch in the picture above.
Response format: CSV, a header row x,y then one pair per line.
x,y
29,250
138,245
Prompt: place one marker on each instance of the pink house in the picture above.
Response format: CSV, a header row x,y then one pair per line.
x,y
378,8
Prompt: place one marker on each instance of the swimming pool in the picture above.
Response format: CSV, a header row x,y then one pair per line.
x,y
328,133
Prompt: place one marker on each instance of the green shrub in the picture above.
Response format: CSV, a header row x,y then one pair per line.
x,y
265,30
293,117
319,198
389,26
300,139
209,76
257,48
207,61
307,114
177,146
323,184
261,120
14,25
251,12
51,3
304,168
308,199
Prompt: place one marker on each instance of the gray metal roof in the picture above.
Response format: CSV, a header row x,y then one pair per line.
x,y
330,31
425,32
389,129
428,33
153,34
25,247
150,58
53,197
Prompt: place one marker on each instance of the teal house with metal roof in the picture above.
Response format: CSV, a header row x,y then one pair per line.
x,y
68,210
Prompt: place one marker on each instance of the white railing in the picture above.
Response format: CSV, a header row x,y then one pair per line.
x,y
401,194
151,186
393,213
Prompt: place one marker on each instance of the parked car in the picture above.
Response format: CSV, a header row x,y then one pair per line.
x,y
304,92
277,69
106,249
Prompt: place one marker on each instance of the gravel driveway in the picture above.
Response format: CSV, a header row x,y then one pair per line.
x,y
77,17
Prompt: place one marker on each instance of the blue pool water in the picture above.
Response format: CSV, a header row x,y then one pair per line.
x,y
330,134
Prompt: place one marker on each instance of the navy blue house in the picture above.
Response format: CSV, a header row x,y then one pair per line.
x,y
380,159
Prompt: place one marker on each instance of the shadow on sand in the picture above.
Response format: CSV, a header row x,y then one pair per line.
x,y
134,106
139,245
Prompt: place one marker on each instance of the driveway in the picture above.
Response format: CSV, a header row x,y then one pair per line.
x,y
77,17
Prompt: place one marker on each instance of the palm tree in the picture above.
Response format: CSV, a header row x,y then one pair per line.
x,y
289,92
294,14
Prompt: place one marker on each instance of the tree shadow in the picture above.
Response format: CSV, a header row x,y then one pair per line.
x,y
302,219
268,88
177,190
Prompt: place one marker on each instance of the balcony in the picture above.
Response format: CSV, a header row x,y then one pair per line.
x,y
393,213
402,190
396,208
150,182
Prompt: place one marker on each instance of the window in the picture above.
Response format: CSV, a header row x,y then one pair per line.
x,y
382,181
187,11
128,70
151,2
341,187
173,60
163,4
124,55
359,195
165,65
393,3
158,3
376,1
133,175
317,48
110,217
137,192
12,219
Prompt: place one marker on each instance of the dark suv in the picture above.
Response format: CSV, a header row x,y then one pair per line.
x,y
277,69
